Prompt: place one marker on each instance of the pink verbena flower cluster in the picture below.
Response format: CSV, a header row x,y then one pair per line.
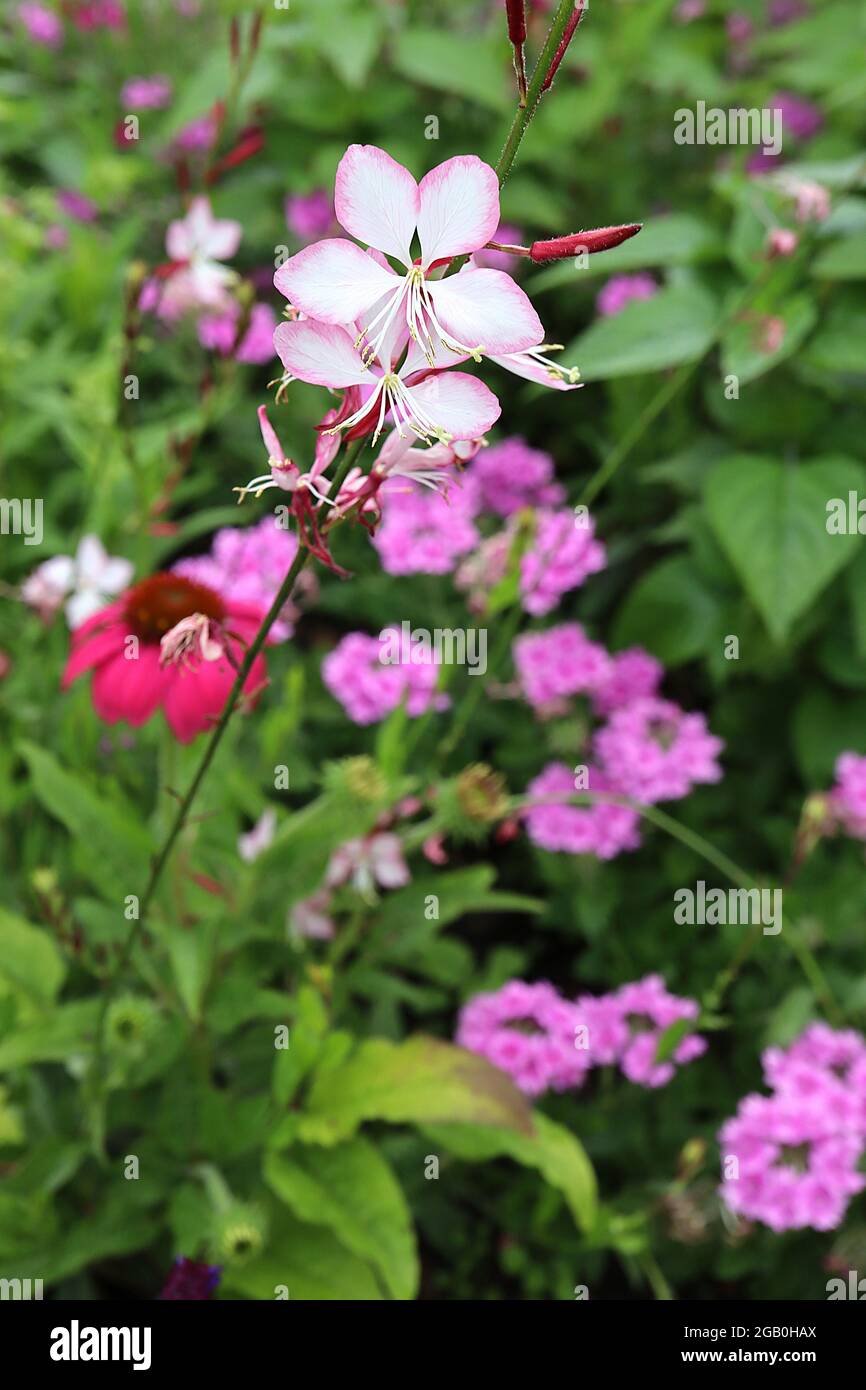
x,y
648,748
790,1159
848,796
421,534
369,689
546,1042
510,475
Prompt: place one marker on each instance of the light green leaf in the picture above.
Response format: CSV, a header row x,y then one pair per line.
x,y
352,1190
29,959
742,353
770,519
844,260
472,68
421,1081
114,847
68,1030
557,1154
307,1261
676,325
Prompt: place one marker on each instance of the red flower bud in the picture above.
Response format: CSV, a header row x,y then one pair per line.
x,y
568,35
599,239
516,14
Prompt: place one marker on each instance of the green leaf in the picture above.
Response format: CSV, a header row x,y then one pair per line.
x,y
29,959
114,847
824,726
839,342
308,1261
677,325
668,611
557,1154
352,1190
844,260
472,68
421,1081
742,354
306,1034
770,519
67,1031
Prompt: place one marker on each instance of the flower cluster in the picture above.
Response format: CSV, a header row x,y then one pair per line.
x,y
369,689
546,1042
648,749
790,1159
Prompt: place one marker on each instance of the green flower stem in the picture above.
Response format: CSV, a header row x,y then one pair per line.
x,y
182,814
475,692
803,954
524,114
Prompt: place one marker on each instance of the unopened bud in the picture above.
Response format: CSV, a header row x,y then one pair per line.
x,y
568,34
598,239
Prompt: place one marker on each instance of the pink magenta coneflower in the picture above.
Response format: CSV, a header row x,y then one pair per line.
x,y
247,564
454,211
528,1031
122,645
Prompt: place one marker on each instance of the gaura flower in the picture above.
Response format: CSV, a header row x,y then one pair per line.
x,y
196,244
454,211
432,405
86,581
122,646
254,842
376,860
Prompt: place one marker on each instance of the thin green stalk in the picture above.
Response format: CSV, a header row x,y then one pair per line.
x,y
182,813
524,114
475,693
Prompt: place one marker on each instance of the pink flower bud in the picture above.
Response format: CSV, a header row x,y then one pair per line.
x,y
599,239
568,35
